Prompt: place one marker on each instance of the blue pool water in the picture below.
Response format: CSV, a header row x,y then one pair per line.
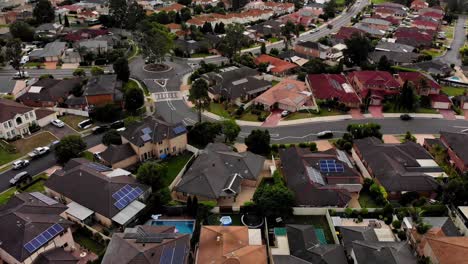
x,y
183,226
454,78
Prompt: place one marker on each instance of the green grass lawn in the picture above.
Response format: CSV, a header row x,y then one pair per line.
x,y
73,120
273,39
423,110
379,1
274,82
219,109
174,165
366,201
304,114
6,157
432,52
88,243
6,195
200,55
38,186
33,64
25,145
453,91
317,221
88,155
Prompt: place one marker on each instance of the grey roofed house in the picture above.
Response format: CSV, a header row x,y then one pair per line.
x,y
356,233
432,67
158,130
56,256
129,247
234,82
23,218
11,108
304,244
52,90
371,252
376,21
396,57
395,47
457,143
92,44
51,49
288,259
313,45
49,28
371,31
269,27
116,153
7,85
312,187
103,84
399,167
86,184
218,172
444,223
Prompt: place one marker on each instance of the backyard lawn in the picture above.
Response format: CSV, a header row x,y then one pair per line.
x,y
318,221
304,114
88,243
432,52
174,165
453,91
73,120
200,55
219,109
38,186
25,145
366,201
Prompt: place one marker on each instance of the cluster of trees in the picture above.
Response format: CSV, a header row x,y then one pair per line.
x,y
164,17
69,147
258,142
234,40
123,14
464,54
376,191
358,131
357,50
155,40
154,174
203,133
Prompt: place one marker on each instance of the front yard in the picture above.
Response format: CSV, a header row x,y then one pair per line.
x,y
306,114
25,145
229,112
453,91
73,120
37,185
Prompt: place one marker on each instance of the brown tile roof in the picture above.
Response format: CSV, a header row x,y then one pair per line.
x,y
228,244
42,112
174,7
9,109
449,250
280,66
289,92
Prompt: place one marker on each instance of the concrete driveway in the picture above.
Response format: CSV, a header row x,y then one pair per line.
x,y
60,132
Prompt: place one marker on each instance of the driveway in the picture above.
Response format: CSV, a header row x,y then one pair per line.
x,y
356,114
390,139
447,114
60,132
273,119
376,111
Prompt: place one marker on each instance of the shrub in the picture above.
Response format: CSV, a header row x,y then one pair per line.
x,y
34,128
434,210
348,212
402,235
303,145
396,224
282,146
313,146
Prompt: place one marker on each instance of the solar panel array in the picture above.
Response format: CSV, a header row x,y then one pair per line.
x,y
331,166
146,130
43,238
174,254
146,137
179,129
46,199
98,167
126,195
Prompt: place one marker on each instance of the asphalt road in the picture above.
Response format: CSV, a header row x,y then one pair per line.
x,y
41,164
452,56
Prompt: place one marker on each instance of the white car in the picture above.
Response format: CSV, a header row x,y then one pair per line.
x,y
285,113
37,152
20,75
20,164
58,123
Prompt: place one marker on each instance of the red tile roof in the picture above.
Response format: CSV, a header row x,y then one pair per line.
x,y
440,98
280,66
425,23
347,32
329,86
433,14
416,77
174,7
375,79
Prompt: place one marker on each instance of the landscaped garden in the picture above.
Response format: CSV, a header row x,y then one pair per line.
x,y
251,113
174,166
36,185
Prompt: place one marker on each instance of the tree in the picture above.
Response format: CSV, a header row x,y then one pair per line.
x,y
422,228
69,147
66,23
384,64
258,142
155,40
118,12
357,49
288,31
79,72
135,14
273,200
77,90
189,206
185,14
407,99
121,69
43,12
207,28
230,130
409,137
330,8
396,224
134,99
107,113
111,137
359,131
263,49
95,70
22,30
13,54
198,95
185,2
233,41
203,133
153,174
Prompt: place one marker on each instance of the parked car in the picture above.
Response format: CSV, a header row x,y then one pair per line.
x,y
38,152
405,117
58,123
325,134
109,71
20,177
53,144
19,75
284,113
20,164
330,26
100,129
117,124
85,124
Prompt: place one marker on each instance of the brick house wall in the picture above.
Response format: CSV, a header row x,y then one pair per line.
x,y
457,161
99,100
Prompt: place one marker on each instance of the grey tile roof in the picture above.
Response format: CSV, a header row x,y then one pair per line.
x,y
159,130
50,50
52,90
116,153
56,256
288,259
23,218
93,44
433,67
376,21
444,223
122,250
7,85
391,46
11,108
369,30
102,84
396,166
457,143
368,252
313,45
217,168
356,233
86,186
397,57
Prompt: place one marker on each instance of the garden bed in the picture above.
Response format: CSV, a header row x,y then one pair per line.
x,y
157,67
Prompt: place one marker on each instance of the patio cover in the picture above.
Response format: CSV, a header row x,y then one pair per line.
x,y
78,211
128,212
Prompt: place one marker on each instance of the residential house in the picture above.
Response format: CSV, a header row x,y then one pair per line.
x,y
424,84
147,244
189,47
155,138
245,17
265,30
95,46
375,23
426,24
290,95
378,83
49,30
32,226
438,224
456,149
278,7
346,33
57,255
462,101
85,33
333,87
219,173
301,245
52,52
319,179
414,37
370,31
235,84
433,13
98,194
395,47
118,156
103,89
173,27
305,16
49,92
205,2
312,49
419,4
176,7
433,67
399,168
396,58
392,5
275,66
386,12
230,244
15,119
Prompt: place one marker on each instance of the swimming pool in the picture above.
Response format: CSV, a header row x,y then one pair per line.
x,y
182,226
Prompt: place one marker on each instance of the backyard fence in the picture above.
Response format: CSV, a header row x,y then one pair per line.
x,y
62,111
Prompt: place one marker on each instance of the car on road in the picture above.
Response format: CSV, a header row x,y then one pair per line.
x,y
100,129
19,75
330,26
20,177
325,134
58,123
109,71
405,117
117,124
20,164
284,113
53,144
38,152
85,124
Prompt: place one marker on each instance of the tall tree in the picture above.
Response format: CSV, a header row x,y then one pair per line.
x,y
22,30
357,49
118,12
112,137
207,28
384,64
135,14
43,12
263,49
258,142
121,69
134,99
288,31
152,173
234,40
69,147
185,14
203,133
13,54
230,130
330,8
155,40
198,95
407,99
66,23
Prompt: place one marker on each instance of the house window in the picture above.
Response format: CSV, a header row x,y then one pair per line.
x,y
26,116
13,132
174,149
31,115
10,124
8,134
5,125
